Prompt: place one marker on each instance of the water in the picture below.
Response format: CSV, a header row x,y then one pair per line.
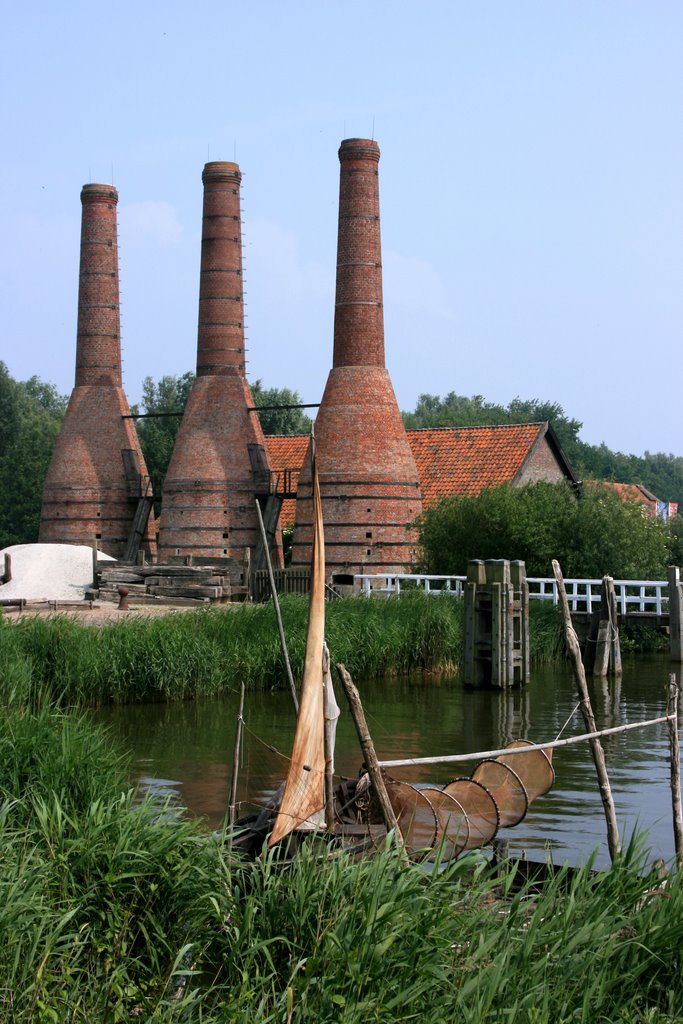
x,y
186,750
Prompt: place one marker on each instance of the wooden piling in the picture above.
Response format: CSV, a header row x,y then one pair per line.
x,y
675,762
232,810
371,761
675,613
7,573
574,650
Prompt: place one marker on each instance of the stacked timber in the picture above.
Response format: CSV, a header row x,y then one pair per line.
x,y
170,583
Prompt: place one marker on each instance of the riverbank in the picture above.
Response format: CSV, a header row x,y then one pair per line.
x,y
114,911
209,652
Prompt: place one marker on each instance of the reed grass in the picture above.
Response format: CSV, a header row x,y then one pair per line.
x,y
205,653
113,910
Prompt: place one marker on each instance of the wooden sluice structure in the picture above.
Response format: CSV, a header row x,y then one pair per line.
x,y
496,624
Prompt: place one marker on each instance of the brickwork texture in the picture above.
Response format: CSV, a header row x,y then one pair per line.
x,y
219,461
97,471
368,477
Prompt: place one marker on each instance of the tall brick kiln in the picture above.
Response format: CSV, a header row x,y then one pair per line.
x,y
219,462
97,487
368,478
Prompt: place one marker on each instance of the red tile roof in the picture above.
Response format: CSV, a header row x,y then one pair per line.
x,y
287,451
463,461
450,460
628,492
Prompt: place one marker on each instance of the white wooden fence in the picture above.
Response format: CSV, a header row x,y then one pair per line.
x,y
643,597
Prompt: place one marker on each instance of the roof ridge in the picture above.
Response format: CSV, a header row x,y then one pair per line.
x,y
481,426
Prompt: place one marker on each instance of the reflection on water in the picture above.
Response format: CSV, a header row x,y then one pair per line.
x,y
187,749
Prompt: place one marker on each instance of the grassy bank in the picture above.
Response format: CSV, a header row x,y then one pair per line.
x,y
112,911
201,654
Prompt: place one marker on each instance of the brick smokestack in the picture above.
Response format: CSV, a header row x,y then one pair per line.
x,y
219,461
368,478
97,473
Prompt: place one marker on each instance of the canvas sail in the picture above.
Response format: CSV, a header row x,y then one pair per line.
x,y
303,800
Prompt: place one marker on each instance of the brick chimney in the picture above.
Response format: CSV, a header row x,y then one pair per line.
x,y
368,478
97,474
219,462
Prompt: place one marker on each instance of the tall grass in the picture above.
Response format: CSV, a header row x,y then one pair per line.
x,y
113,910
204,653
201,654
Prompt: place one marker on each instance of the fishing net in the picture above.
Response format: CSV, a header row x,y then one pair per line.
x,y
416,817
480,807
467,812
534,767
453,830
506,788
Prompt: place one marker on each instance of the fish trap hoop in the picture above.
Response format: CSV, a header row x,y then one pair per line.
x,y
534,767
479,806
453,831
506,788
415,815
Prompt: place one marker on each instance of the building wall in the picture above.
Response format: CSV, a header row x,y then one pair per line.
x,y
541,465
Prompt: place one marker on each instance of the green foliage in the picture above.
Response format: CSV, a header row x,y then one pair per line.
x,y
99,894
279,421
596,535
660,473
676,534
31,414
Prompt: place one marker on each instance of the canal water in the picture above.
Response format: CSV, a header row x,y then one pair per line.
x,y
186,750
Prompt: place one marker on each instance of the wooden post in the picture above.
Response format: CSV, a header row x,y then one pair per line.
x,y
276,606
603,641
236,764
615,648
574,650
675,770
368,748
7,574
675,613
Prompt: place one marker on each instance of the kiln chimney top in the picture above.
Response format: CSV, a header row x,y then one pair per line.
x,y
216,170
99,194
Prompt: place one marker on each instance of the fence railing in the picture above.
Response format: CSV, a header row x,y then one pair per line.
x,y
643,597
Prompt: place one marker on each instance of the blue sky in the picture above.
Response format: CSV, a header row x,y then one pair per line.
x,y
531,187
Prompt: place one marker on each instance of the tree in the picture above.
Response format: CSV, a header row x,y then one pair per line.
x,y
31,414
279,420
157,435
595,535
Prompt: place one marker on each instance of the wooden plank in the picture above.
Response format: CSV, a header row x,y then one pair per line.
x,y
470,630
497,611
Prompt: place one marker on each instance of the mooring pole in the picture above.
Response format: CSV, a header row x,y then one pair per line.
x,y
574,650
371,762
675,756
675,613
276,606
232,810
